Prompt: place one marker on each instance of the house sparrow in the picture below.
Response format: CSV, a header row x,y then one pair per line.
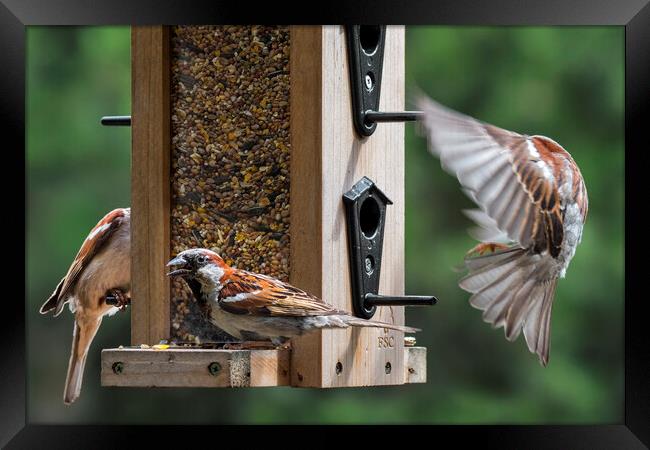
x,y
533,205
101,270
255,307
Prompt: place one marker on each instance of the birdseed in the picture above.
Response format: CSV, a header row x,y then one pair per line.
x,y
230,156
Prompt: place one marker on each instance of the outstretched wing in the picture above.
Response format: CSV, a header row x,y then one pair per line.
x,y
91,245
513,178
259,295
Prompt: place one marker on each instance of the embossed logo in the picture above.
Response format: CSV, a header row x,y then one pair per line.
x,y
386,341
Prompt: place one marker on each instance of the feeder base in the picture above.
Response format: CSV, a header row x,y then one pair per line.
x,y
183,367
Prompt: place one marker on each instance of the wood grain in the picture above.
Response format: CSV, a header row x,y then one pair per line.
x,y
190,368
327,159
415,365
150,238
306,188
238,368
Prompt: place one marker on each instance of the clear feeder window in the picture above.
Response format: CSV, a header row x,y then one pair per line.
x,y
230,155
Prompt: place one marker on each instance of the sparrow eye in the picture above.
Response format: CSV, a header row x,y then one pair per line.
x,y
202,259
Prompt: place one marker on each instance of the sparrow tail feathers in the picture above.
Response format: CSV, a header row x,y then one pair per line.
x,y
84,332
357,322
514,290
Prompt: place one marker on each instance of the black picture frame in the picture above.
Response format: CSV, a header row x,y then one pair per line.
x,y
634,432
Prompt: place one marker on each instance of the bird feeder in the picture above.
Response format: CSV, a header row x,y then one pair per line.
x,y
251,141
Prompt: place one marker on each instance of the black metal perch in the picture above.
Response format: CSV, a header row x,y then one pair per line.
x,y
366,215
366,59
402,116
372,300
116,121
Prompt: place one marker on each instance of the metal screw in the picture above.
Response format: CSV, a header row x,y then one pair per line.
x,y
214,368
368,80
369,265
118,368
339,368
388,368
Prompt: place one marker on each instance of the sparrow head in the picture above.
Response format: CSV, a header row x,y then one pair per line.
x,y
201,264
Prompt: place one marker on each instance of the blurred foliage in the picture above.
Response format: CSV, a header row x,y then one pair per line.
x,y
563,82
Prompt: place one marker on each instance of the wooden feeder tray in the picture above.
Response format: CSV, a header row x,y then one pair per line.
x,y
194,366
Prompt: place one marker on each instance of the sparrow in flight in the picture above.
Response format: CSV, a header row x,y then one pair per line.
x,y
532,206
100,272
255,307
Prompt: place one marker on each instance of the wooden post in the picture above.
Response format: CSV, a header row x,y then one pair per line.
x,y
150,184
327,159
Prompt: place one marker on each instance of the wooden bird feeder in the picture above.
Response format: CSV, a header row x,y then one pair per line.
x,y
244,141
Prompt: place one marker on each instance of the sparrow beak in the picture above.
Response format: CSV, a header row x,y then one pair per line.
x,y
181,265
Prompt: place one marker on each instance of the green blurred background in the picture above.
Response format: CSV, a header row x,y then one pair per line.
x,y
563,82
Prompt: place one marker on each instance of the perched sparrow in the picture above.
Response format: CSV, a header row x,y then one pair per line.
x,y
254,307
101,269
533,205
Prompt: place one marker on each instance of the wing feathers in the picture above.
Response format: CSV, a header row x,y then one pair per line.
x,y
248,293
53,302
502,169
493,185
91,245
487,230
502,202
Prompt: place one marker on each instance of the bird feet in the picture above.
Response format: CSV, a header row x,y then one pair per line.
x,y
486,246
205,309
285,346
249,345
118,298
